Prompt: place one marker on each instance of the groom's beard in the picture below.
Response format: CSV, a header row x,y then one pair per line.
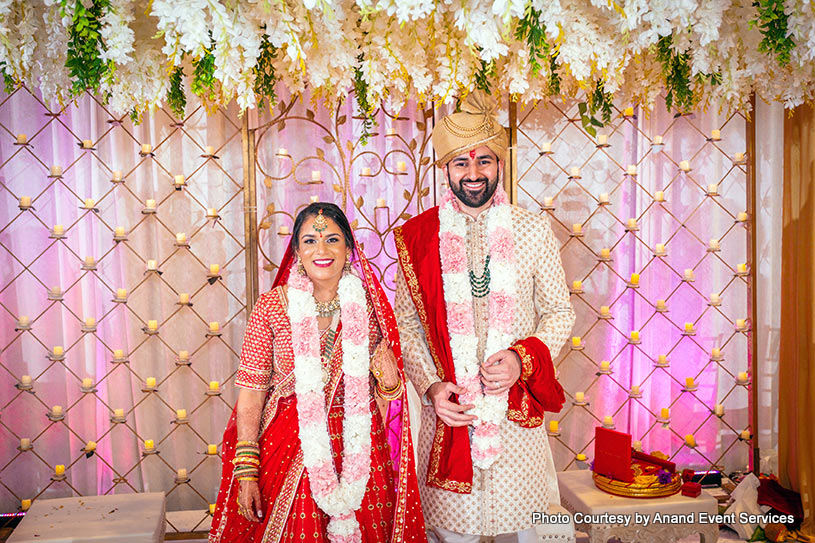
x,y
474,198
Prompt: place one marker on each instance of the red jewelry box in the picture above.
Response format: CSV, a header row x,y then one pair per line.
x,y
612,454
691,490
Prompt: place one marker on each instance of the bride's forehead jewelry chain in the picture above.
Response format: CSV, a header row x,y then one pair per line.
x,y
320,223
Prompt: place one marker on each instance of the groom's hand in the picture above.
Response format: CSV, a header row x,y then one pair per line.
x,y
451,414
500,371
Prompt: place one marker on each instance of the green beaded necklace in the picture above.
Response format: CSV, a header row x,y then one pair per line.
x,y
480,286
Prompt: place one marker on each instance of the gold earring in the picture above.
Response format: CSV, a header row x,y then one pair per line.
x,y
300,269
347,267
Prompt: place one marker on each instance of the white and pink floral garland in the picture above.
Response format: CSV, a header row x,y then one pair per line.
x,y
339,497
491,410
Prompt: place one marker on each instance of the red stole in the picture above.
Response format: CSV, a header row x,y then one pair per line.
x,y
450,466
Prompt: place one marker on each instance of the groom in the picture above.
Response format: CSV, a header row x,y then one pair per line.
x,y
481,306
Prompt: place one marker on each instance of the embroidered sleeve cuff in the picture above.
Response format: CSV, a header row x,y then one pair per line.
x,y
527,365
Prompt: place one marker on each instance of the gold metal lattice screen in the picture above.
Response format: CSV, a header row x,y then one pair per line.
x,y
122,316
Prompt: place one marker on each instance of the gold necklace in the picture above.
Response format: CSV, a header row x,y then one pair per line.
x,y
326,309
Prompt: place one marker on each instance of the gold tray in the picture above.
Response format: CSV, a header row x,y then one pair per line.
x,y
643,486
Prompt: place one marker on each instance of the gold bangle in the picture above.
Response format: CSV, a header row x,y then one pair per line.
x,y
390,394
247,444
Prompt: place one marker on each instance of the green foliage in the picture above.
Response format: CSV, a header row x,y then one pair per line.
x,y
772,23
533,32
598,101
175,96
265,78
554,77
85,45
677,72
484,74
203,76
8,81
366,110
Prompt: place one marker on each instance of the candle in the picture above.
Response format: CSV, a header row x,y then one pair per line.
x,y
741,267
690,441
635,390
742,216
631,223
58,350
209,150
401,166
150,204
391,131
660,249
152,325
715,352
118,354
548,201
183,355
689,383
380,202
741,324
579,397
121,293
59,470
657,140
178,179
684,166
87,382
553,426
56,292
212,448
581,457
59,230
149,444
214,386
604,198
90,322
87,144
745,435
575,341
23,320
119,413
212,509
282,151
25,443
150,382
284,231
90,261
25,504
635,335
664,413
212,212
577,228
629,111
577,285
659,196
713,189
181,238
713,244
635,279
181,414
316,175
662,360
90,446
314,198
739,157
688,274
214,269
22,138
574,171
715,135
637,446
715,298
742,377
56,171
56,411
25,201
602,139
366,171
688,327
146,148
608,420
661,305
183,298
605,365
718,409
546,147
119,232
605,311
632,169
214,326
605,253
117,175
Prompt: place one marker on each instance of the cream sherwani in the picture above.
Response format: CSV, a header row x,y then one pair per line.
x,y
523,479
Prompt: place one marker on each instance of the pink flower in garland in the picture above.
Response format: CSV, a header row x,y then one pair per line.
x,y
454,248
502,310
502,246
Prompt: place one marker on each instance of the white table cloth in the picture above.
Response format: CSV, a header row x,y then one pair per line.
x,y
636,520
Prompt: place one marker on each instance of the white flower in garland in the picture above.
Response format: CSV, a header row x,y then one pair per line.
x,y
116,33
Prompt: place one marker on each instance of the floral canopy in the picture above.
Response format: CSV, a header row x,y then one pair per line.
x,y
138,54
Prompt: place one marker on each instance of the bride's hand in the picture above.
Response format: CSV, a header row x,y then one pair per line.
x,y
249,504
384,366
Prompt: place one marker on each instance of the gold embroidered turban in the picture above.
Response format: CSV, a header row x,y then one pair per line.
x,y
475,125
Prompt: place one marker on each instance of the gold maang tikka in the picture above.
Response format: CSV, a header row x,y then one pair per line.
x,y
320,223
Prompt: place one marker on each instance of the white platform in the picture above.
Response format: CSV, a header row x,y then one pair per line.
x,y
124,518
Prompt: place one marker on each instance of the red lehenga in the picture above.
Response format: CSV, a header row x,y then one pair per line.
x,y
390,510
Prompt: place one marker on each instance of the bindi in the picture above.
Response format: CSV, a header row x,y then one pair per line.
x,y
472,153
